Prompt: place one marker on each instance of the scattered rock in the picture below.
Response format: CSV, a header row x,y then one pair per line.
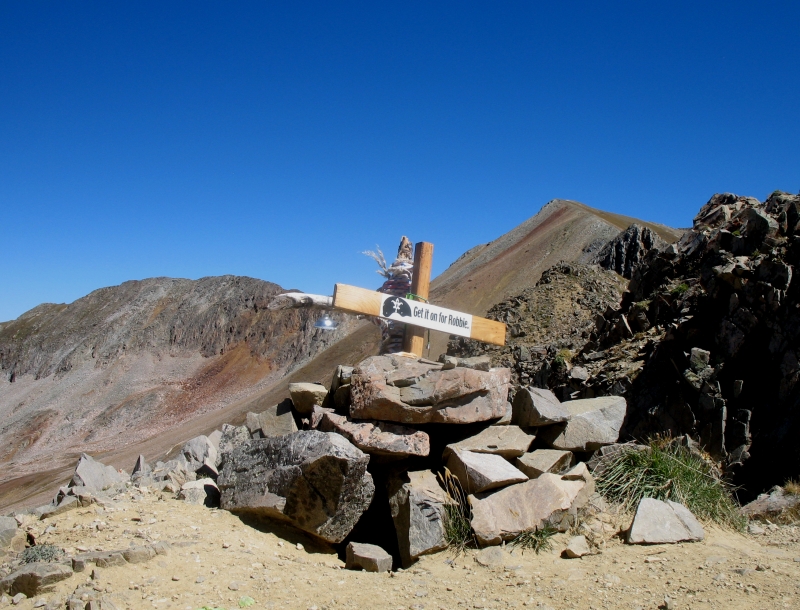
x,y
367,557
658,522
544,460
506,441
316,480
417,503
577,547
375,437
479,363
482,471
593,422
770,506
95,475
537,407
305,396
198,452
491,557
275,421
408,390
202,492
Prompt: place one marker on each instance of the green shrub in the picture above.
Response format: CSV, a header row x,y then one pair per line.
x,y
42,552
562,358
667,470
680,288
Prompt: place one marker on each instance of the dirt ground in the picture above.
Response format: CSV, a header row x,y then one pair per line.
x,y
218,560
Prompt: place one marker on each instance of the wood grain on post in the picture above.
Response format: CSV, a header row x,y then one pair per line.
x,y
420,286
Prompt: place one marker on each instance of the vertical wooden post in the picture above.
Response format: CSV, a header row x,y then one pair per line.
x,y
420,285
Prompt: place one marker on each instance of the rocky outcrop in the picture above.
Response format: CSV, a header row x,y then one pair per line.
x,y
628,249
593,422
537,407
95,476
316,480
414,391
507,441
482,471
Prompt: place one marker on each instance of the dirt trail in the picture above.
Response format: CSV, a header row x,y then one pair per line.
x,y
217,559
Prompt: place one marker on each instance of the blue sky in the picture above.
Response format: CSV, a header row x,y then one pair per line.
x,y
279,140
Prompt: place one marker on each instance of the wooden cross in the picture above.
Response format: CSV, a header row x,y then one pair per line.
x,y
418,314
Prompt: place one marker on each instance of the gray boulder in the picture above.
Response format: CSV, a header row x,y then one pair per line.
x,y
507,441
305,396
369,557
34,578
417,504
341,377
410,390
200,452
232,437
202,492
537,407
658,522
95,475
544,460
11,537
593,422
141,467
481,471
318,481
275,421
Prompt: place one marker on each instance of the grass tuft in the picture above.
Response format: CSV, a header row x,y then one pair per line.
x,y
457,514
667,470
535,539
680,288
792,487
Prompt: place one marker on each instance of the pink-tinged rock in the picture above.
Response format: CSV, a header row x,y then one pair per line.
x,y
507,441
547,500
408,390
376,437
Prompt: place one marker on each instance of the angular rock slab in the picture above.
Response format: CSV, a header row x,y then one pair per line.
x,y
275,421
95,475
482,471
417,504
658,522
537,407
506,441
379,438
316,480
34,578
593,422
369,557
408,390
547,500
538,462
577,547
305,396
200,451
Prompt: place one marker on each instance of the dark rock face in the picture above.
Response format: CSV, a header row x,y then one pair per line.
x,y
318,481
628,249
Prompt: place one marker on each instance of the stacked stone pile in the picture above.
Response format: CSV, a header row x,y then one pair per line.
x,y
326,458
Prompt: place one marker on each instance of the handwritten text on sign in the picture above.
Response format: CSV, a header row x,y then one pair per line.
x,y
426,315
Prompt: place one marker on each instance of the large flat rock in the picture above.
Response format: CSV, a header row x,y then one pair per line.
x,y
305,396
593,422
316,480
417,503
34,578
537,407
547,500
409,390
507,441
376,437
658,522
482,471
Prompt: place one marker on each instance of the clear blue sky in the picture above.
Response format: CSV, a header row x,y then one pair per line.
x,y
278,140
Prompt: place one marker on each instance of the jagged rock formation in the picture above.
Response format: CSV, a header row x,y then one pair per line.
x,y
129,361
627,250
